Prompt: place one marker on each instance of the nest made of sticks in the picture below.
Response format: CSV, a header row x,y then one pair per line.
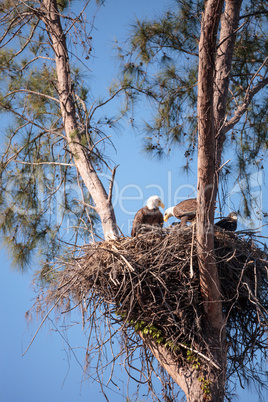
x,y
152,281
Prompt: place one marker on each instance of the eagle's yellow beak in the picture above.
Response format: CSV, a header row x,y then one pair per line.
x,y
165,218
161,204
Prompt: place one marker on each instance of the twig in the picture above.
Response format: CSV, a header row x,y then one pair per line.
x,y
220,168
85,204
44,319
43,163
123,258
111,185
102,139
199,354
191,257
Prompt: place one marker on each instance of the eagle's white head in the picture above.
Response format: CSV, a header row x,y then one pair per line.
x,y
233,216
154,202
168,213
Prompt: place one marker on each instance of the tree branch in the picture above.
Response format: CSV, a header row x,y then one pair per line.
x,y
33,93
111,185
43,163
104,103
82,159
243,108
225,50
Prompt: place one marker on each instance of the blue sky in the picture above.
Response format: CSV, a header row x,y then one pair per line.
x,y
48,372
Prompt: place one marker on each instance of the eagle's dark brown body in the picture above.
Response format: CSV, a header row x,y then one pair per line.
x,y
146,216
229,223
185,210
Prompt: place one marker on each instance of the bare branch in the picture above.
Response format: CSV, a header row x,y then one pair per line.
x,y
42,95
12,25
243,108
85,204
43,163
104,103
229,36
32,61
111,185
26,42
102,139
225,163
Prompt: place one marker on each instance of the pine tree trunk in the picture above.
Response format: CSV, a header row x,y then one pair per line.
x,y
213,329
229,25
187,378
205,383
82,160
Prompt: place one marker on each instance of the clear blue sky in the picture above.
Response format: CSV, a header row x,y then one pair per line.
x,y
48,372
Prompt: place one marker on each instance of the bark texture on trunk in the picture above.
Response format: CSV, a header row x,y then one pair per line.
x,y
187,378
82,160
202,384
206,163
229,25
209,280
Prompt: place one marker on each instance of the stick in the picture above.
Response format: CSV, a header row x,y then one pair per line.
x,y
191,259
225,163
199,354
124,259
111,185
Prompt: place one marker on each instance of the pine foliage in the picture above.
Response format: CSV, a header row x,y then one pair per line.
x,y
161,63
44,204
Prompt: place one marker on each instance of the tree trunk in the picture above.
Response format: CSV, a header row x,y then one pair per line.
x,y
82,160
206,162
187,378
198,384
209,280
229,25
212,372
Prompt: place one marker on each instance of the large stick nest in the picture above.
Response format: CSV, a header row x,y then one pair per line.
x,y
151,282
150,285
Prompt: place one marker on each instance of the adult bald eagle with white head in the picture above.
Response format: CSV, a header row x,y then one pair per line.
x,y
148,215
185,211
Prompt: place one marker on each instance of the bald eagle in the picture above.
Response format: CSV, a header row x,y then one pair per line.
x,y
229,223
148,215
185,211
